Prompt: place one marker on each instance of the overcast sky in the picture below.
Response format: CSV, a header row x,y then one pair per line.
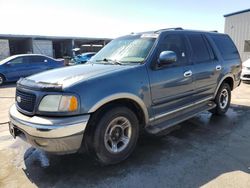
x,y
112,18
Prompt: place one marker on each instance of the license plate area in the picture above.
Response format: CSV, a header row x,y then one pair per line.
x,y
13,130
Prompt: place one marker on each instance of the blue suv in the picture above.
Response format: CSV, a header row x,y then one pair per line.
x,y
14,67
147,81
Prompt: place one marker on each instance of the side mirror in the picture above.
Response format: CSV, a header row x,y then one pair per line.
x,y
167,57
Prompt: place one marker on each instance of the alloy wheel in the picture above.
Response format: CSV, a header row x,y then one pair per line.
x,y
118,134
223,99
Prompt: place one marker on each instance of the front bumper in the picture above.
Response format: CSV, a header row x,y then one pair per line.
x,y
53,134
245,75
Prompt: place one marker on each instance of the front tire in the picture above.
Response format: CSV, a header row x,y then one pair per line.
x,y
115,135
1,79
222,100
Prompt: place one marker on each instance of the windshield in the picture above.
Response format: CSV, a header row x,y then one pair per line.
x,y
128,49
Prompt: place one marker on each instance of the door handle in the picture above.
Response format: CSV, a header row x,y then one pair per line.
x,y
218,67
188,73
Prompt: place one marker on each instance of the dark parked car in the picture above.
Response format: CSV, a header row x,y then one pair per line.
x,y
14,67
145,81
82,58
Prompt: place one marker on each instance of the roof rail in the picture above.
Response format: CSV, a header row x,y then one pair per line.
x,y
215,31
166,29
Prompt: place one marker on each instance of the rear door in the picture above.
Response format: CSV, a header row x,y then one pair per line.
x,y
52,63
207,67
38,64
170,87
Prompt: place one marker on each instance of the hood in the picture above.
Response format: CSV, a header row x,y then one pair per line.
x,y
246,63
67,76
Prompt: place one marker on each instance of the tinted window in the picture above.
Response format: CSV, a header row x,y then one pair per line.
x,y
176,44
225,46
37,59
19,60
210,49
199,48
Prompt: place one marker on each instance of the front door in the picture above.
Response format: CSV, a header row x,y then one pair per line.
x,y
18,67
171,85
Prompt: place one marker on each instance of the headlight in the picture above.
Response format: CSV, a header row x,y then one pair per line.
x,y
58,103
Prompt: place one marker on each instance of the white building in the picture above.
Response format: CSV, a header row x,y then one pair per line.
x,y
237,26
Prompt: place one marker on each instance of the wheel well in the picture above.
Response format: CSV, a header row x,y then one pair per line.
x,y
3,76
132,105
230,82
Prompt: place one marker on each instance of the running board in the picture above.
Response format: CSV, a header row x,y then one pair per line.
x,y
174,119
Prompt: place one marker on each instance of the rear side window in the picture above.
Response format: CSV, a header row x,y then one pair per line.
x,y
226,47
199,48
37,59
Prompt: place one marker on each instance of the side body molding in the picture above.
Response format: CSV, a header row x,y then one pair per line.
x,y
116,96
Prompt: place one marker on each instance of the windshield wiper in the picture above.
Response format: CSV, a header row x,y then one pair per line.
x,y
114,62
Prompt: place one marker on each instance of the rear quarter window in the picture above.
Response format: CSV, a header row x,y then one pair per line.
x,y
226,47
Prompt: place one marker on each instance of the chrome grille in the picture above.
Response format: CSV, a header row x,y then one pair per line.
x,y
25,101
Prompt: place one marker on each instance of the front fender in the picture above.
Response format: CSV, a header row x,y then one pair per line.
x,y
117,96
131,83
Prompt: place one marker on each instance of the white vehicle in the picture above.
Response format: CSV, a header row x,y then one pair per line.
x,y
245,74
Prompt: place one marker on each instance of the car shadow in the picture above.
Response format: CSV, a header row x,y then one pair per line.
x,y
193,155
246,82
8,85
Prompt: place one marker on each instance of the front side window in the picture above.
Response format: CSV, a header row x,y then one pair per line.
x,y
17,61
175,43
128,49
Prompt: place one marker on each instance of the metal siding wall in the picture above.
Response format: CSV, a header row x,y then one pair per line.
x,y
238,28
4,49
44,47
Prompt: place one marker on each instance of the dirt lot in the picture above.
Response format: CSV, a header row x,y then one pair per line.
x,y
207,151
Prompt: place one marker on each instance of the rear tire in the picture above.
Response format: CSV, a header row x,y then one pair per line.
x,y
222,100
115,135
